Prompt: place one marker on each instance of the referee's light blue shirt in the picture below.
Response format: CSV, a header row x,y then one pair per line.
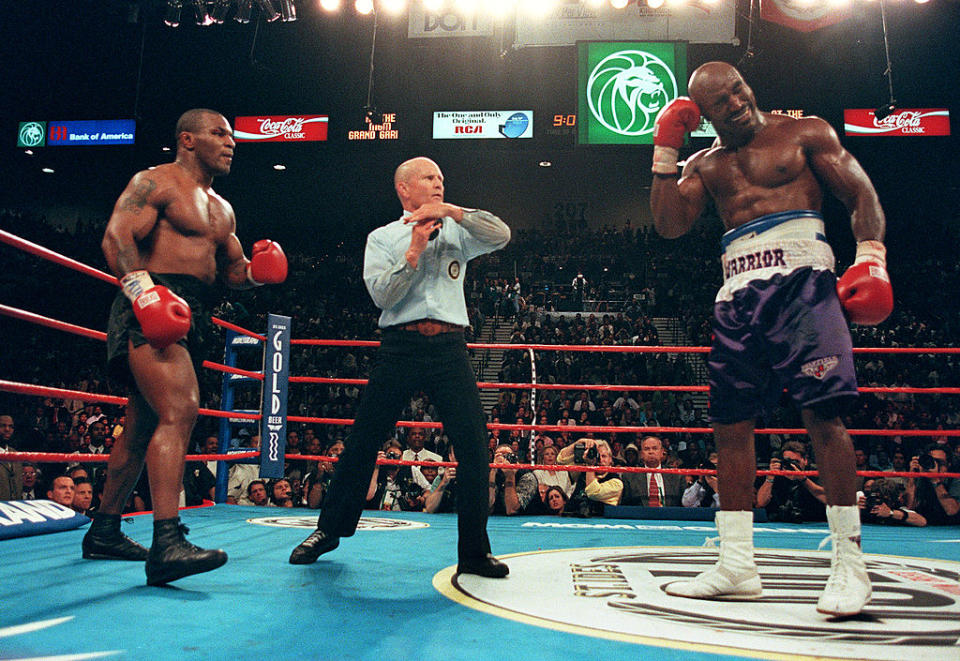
x,y
434,290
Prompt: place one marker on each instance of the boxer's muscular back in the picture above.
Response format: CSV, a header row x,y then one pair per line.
x,y
192,224
769,174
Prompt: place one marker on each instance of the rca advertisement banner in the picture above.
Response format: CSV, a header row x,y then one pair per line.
x,y
280,128
447,22
804,15
451,124
696,22
903,122
622,85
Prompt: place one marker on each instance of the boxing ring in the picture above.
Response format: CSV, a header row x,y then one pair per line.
x,y
578,587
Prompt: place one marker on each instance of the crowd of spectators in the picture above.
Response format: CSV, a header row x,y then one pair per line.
x,y
603,287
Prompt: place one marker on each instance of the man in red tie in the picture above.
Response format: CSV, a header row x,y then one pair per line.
x,y
652,489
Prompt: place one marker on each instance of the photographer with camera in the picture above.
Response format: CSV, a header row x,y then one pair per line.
x,y
703,491
393,487
511,491
653,489
593,489
443,492
936,499
792,499
883,502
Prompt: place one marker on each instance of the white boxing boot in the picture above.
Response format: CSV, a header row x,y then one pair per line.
x,y
848,588
735,575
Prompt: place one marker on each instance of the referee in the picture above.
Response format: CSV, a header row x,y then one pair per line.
x,y
414,269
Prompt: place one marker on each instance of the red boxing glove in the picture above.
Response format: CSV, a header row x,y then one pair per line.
x,y
673,122
864,289
268,264
164,317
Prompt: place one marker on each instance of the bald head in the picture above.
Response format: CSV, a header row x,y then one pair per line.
x,y
408,169
418,181
193,121
710,77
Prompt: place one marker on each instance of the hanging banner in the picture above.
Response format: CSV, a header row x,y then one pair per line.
x,y
447,22
695,22
804,15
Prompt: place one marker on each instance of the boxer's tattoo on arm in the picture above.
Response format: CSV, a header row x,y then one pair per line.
x,y
138,198
128,259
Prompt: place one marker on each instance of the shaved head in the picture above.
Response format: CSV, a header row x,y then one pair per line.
x,y
410,167
192,121
708,77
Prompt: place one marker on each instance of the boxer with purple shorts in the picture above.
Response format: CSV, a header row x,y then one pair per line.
x,y
779,317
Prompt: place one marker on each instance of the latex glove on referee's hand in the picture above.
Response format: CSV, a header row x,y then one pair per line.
x,y
864,289
268,263
164,317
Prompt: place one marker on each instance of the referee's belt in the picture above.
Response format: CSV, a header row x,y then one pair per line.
x,y
430,327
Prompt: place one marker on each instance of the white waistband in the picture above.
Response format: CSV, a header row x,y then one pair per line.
x,y
759,258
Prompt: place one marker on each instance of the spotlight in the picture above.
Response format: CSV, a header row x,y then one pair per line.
x,y
393,6
654,4
269,11
363,6
330,5
244,7
618,4
279,167
200,9
883,112
172,15
220,9
288,11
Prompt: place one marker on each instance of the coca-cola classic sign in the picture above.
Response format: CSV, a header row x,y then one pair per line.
x,y
280,128
906,121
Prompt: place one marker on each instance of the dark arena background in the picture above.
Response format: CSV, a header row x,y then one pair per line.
x,y
326,99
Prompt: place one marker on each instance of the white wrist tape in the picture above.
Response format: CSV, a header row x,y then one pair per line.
x,y
250,277
665,159
135,283
871,251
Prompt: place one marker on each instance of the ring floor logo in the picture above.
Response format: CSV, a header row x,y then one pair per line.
x,y
617,593
310,522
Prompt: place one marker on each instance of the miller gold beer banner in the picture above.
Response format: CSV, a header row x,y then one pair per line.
x,y
280,128
902,122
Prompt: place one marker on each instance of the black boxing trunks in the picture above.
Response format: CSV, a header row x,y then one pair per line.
x,y
778,323
123,327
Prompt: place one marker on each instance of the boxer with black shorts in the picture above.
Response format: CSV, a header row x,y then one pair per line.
x,y
169,237
779,317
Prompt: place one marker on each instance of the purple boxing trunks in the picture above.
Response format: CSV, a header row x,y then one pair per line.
x,y
777,322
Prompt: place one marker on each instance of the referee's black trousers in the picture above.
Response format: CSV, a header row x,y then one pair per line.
x,y
408,362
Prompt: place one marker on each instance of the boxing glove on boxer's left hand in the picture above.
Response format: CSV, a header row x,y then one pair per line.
x,y
864,289
268,263
164,317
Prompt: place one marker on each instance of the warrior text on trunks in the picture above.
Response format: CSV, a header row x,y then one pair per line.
x,y
756,260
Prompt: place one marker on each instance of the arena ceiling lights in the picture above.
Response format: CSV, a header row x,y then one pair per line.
x,y
216,11
212,12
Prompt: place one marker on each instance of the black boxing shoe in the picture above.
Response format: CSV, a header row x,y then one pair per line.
x,y
104,541
313,547
172,556
487,566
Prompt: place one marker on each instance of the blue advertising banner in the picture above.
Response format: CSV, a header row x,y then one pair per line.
x,y
91,132
276,375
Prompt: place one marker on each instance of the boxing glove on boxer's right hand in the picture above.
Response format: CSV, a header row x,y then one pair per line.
x,y
673,122
164,317
864,289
